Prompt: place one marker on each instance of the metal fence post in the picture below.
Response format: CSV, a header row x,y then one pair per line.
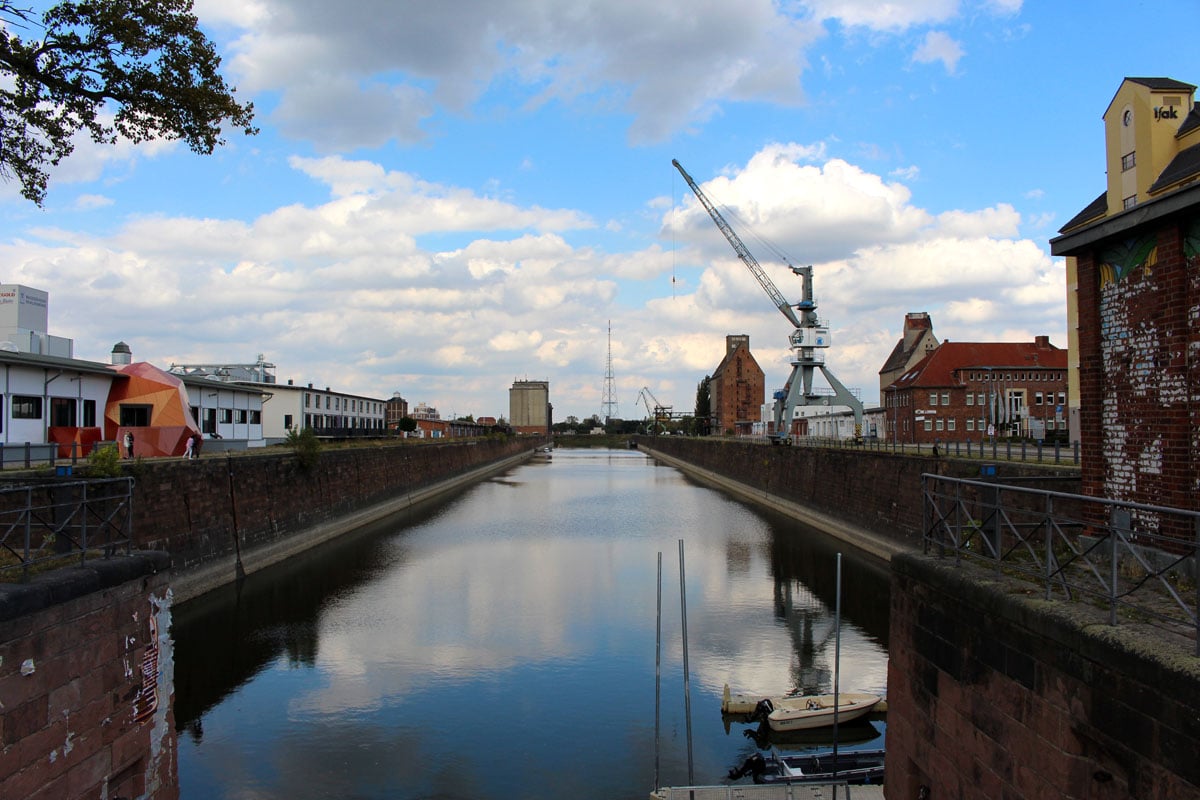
x,y
1119,525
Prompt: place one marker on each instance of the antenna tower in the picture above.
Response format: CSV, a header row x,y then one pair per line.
x,y
609,404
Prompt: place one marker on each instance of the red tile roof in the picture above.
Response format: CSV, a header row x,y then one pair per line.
x,y
937,369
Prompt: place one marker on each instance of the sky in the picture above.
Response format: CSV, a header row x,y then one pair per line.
x,y
447,197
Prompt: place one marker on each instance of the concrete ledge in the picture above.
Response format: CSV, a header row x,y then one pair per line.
x,y
863,540
189,584
68,583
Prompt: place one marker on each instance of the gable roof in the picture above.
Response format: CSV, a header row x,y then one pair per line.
x,y
937,369
730,355
1154,85
1094,210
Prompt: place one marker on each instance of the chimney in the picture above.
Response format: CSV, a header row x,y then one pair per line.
x,y
1042,342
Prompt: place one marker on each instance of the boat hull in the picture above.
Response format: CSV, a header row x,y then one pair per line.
x,y
819,711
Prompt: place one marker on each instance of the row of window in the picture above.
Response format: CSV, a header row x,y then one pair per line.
x,y
973,425
1039,398
343,404
1026,377
63,410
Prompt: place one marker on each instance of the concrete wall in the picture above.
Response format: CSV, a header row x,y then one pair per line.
x,y
193,509
86,683
992,693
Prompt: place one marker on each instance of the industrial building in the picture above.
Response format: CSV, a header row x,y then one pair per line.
x,y
736,390
1133,273
529,409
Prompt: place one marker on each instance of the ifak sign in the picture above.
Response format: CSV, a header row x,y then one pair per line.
x,y
1168,112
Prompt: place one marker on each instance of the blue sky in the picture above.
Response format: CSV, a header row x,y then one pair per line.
x,y
445,197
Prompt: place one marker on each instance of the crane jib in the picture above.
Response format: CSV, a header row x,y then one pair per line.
x,y
739,247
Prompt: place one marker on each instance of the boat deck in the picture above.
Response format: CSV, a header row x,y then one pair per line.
x,y
777,791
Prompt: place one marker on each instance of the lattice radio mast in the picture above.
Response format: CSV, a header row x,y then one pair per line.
x,y
609,404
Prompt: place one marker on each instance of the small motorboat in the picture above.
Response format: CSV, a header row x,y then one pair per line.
x,y
803,712
850,766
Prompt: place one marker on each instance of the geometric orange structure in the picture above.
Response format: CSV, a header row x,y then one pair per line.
x,y
153,406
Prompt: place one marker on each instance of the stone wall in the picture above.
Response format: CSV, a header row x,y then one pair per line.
x,y
992,693
874,490
86,683
230,513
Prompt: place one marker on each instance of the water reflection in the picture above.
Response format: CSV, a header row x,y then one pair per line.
x,y
474,648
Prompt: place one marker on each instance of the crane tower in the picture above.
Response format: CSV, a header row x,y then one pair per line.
x,y
809,336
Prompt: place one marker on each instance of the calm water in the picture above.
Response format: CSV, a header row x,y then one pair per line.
x,y
502,644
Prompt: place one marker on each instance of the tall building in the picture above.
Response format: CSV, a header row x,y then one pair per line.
x,y
529,408
1133,274
24,320
736,390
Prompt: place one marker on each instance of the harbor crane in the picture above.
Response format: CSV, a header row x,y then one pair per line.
x,y
659,414
809,336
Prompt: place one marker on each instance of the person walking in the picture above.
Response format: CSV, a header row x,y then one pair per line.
x,y
187,448
129,444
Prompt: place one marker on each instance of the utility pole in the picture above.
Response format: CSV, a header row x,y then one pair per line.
x,y
609,404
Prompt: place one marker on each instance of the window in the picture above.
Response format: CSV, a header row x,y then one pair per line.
x,y
1128,162
933,398
62,412
239,416
945,398
327,399
25,407
941,425
928,424
287,422
1129,202
1062,398
970,398
970,423
307,400
134,416
89,413
256,417
225,415
1037,398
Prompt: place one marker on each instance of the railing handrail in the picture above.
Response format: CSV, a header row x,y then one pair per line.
x,y
1012,522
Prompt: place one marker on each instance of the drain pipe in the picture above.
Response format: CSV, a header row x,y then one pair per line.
x,y
237,537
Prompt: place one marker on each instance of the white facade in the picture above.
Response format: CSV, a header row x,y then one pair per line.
x,y
24,320
289,407
37,392
226,411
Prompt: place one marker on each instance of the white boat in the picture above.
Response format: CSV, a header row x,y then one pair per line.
x,y
817,710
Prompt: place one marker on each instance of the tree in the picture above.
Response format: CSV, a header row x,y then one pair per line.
x,y
145,62
703,405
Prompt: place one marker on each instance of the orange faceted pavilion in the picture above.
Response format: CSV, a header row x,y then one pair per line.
x,y
158,402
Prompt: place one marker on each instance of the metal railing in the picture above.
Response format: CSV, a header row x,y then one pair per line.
x,y
1137,561
60,523
985,449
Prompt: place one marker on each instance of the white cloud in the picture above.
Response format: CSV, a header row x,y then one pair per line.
x,y
939,46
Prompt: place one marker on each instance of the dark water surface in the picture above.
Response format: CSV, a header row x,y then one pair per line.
x,y
502,644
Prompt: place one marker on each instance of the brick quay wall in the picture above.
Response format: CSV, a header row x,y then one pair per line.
x,y
86,683
993,692
224,515
871,498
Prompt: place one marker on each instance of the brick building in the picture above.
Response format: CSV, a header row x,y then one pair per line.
x,y
529,409
971,390
915,343
1133,271
736,389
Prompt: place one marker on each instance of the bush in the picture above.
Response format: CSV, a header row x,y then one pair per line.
x,y
305,445
104,462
